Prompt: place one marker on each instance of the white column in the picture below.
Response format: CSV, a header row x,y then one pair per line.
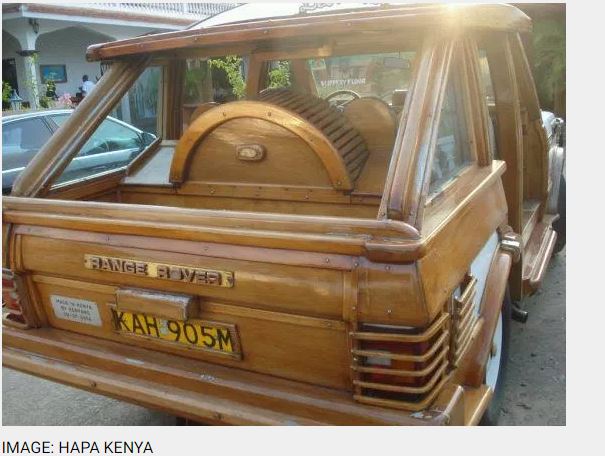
x,y
27,38
31,77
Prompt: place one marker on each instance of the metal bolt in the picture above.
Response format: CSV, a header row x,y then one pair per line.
x,y
327,260
389,311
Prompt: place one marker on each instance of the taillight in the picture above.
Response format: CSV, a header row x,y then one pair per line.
x,y
400,367
11,302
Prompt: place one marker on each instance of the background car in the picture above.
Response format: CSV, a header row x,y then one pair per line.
x,y
113,145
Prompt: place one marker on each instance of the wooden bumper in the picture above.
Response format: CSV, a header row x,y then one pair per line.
x,y
206,392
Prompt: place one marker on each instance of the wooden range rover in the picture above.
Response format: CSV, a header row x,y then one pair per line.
x,y
328,220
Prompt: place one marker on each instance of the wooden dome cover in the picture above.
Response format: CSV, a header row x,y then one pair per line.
x,y
297,130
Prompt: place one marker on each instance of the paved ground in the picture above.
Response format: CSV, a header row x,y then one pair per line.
x,y
535,390
535,387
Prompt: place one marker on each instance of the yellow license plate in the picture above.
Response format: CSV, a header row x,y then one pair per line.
x,y
200,334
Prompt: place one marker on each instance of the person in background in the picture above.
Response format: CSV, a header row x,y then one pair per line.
x,y
87,85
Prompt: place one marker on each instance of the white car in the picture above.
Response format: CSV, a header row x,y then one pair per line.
x,y
113,145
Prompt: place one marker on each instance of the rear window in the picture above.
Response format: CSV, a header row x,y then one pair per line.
x,y
24,135
21,141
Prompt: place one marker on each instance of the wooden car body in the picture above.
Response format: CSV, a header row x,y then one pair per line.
x,y
326,280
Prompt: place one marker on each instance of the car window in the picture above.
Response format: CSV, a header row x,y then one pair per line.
x,y
219,79
110,136
368,75
123,135
453,149
21,140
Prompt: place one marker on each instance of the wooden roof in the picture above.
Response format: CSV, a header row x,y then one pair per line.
x,y
499,17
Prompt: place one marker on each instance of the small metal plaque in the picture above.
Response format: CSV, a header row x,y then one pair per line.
x,y
174,272
78,310
250,152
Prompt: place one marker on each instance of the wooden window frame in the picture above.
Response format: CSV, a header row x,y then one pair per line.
x,y
406,189
477,118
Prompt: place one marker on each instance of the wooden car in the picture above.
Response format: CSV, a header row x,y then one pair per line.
x,y
338,215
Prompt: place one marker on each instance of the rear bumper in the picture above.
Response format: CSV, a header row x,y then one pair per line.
x,y
210,393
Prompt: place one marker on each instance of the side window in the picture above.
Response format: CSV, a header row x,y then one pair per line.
x,y
21,140
486,77
279,74
122,136
453,150
112,136
490,98
211,81
219,80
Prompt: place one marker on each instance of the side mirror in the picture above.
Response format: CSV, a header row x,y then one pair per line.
x,y
147,138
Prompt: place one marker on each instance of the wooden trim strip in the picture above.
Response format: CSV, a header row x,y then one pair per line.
x,y
143,157
404,389
211,250
168,398
404,338
401,357
61,282
546,250
403,405
403,372
468,293
247,312
201,217
403,157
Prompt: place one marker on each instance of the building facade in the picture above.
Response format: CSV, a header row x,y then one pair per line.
x,y
48,41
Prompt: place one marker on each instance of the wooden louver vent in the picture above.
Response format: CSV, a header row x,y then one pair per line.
x,y
400,368
330,121
464,319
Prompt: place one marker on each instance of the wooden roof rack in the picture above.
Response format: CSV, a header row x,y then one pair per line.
x,y
386,19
